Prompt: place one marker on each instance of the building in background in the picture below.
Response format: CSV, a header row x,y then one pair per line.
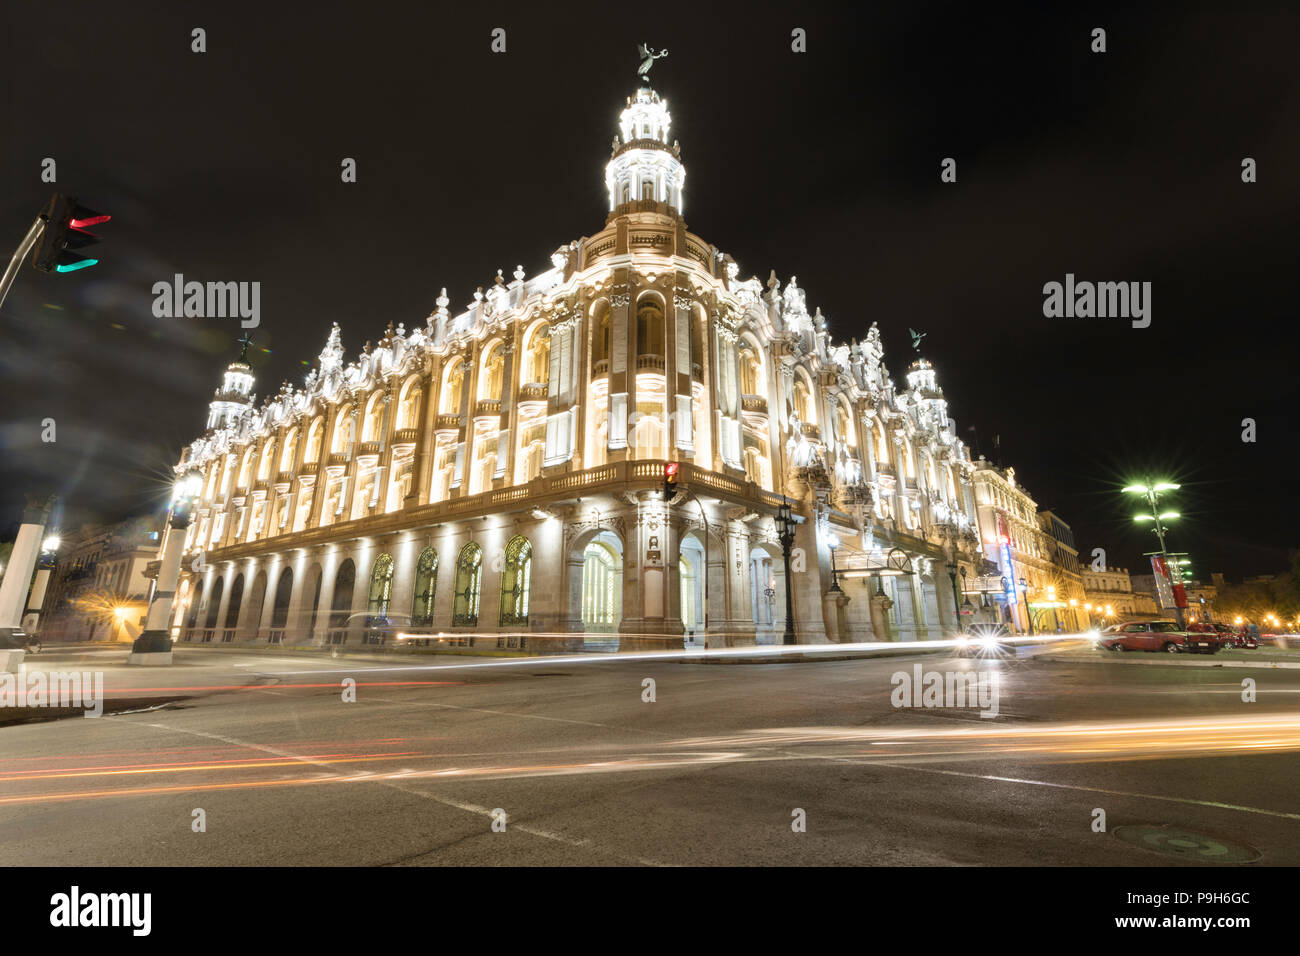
x,y
1067,596
1201,597
99,588
1109,596
1014,541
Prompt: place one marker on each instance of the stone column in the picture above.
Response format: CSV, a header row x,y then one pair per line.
x,y
154,646
17,578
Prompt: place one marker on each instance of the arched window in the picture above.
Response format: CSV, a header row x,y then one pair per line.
x,y
426,588
344,432
844,426
268,456
408,404
600,332
749,366
374,420
381,586
539,357
452,381
290,450
515,582
649,328
315,435
489,379
469,579
802,407
245,469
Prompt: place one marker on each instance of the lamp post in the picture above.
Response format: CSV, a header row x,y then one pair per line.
x,y
154,645
785,534
1151,492
1029,615
833,542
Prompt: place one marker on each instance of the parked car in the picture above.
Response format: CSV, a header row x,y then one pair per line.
x,y
1236,637
1163,636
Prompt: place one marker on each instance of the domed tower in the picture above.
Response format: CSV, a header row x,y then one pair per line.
x,y
235,396
644,170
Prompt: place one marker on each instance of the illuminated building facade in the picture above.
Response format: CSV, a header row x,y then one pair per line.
x,y
496,474
1013,541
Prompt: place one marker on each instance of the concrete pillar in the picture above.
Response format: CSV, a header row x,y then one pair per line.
x,y
154,645
17,577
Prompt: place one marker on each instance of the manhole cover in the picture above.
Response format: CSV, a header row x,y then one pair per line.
x,y
1174,841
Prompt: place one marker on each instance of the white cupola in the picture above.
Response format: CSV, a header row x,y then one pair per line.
x,y
643,167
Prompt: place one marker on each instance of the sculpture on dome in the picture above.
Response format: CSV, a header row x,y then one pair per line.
x,y
916,338
648,57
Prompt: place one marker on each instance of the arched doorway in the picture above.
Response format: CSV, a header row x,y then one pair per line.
x,y
313,586
256,599
341,607
379,599
192,619
280,611
767,594
602,586
232,610
690,573
214,608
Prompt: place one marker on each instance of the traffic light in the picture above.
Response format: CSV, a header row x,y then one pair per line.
x,y
66,225
670,479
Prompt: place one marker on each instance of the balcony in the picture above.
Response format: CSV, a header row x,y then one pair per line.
x,y
487,407
753,403
338,458
650,362
283,477
406,435
449,421
811,431
368,448
600,367
534,391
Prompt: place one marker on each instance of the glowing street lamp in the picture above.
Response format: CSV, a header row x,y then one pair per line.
x,y
833,542
1151,492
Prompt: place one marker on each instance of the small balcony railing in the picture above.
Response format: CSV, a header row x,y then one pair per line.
x,y
650,362
534,391
487,406
600,367
449,421
407,434
753,403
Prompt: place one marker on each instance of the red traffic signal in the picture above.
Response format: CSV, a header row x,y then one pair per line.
x,y
670,479
65,229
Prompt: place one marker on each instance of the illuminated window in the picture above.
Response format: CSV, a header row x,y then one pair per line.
x,y
469,580
515,581
426,588
381,585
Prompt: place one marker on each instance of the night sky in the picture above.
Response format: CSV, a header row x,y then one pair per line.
x,y
1123,166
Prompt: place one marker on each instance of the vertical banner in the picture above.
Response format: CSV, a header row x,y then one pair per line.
x,y
1163,586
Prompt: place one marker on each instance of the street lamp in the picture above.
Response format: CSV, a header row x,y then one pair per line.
x,y
833,542
1029,615
154,645
1151,492
785,526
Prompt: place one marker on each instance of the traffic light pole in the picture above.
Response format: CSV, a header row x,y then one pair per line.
x,y
33,236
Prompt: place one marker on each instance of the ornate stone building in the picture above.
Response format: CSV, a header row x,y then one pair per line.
x,y
496,474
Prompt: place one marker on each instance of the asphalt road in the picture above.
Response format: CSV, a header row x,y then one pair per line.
x,y
287,772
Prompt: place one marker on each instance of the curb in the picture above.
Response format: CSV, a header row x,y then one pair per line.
x,y
1167,662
